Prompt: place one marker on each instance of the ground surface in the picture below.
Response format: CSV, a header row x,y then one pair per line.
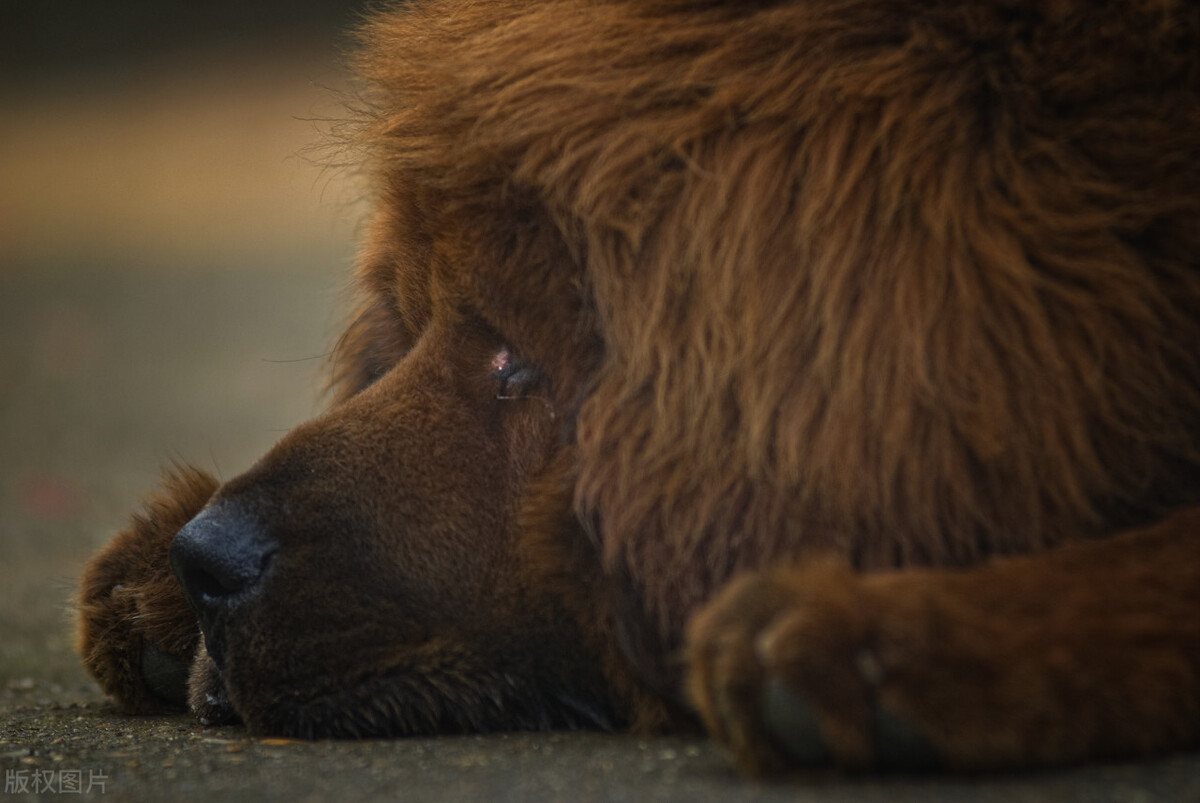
x,y
146,316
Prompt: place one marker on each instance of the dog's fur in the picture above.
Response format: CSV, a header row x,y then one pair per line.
x,y
684,326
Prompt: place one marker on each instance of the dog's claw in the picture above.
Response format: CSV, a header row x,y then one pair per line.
x,y
901,746
165,676
793,727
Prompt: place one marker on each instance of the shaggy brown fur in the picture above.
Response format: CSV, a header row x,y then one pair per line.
x,y
662,293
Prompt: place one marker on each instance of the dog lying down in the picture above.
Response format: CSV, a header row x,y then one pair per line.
x,y
822,373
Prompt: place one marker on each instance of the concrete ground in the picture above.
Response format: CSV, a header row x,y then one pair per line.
x,y
154,308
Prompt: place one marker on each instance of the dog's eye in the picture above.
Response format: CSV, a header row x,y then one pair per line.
x,y
514,376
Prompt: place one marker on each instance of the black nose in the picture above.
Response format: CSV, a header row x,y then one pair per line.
x,y
219,558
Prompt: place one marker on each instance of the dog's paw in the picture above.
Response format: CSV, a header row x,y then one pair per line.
x,y
799,668
135,632
1083,652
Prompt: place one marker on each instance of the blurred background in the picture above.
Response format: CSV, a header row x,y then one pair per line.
x,y
174,255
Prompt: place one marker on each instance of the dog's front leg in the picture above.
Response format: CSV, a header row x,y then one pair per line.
x,y
1089,651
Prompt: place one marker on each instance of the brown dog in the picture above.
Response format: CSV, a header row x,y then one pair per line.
x,y
777,363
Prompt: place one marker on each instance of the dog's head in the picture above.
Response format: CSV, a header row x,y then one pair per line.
x,y
656,292
387,567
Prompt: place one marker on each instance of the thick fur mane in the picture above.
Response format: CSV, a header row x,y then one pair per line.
x,y
912,285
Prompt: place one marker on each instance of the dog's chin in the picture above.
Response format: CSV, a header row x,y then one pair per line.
x,y
400,702
409,705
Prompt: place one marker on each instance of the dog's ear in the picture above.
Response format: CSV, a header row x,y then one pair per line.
x,y
392,285
135,631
